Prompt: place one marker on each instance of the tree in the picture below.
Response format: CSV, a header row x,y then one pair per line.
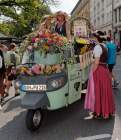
x,y
23,15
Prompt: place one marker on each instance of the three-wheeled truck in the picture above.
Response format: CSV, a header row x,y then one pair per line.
x,y
55,90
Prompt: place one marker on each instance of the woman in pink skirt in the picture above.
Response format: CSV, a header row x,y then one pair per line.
x,y
99,98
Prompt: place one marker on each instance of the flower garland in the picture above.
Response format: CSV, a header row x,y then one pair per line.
x,y
38,69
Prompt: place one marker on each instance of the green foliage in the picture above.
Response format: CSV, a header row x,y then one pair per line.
x,y
23,14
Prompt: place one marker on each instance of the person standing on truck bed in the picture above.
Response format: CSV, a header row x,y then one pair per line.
x,y
62,25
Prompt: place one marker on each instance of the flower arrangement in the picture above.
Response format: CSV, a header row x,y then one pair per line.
x,y
38,69
27,41
45,42
48,43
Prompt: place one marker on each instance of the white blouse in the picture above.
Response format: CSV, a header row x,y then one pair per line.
x,y
1,62
97,51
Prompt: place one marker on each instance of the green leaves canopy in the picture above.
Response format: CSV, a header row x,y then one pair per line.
x,y
23,15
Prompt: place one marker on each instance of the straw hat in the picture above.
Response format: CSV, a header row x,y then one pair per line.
x,y
45,17
100,34
60,13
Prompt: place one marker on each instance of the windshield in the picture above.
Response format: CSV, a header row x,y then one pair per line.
x,y
28,57
40,58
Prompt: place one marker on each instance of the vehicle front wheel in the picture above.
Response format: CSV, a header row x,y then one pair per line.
x,y
34,119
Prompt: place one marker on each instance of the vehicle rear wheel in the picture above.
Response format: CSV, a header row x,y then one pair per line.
x,y
34,119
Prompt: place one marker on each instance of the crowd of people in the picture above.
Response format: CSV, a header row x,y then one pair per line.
x,y
8,61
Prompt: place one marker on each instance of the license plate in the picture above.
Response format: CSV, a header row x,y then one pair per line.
x,y
34,87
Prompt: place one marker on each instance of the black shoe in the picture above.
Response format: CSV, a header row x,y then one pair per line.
x,y
17,94
2,99
116,83
6,95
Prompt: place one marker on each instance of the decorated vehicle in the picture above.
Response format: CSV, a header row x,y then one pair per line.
x,y
83,48
52,73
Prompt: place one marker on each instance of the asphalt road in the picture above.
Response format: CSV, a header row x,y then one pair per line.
x,y
65,124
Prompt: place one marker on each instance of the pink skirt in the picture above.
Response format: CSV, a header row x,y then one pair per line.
x,y
90,94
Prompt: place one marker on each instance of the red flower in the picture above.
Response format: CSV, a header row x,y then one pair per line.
x,y
33,40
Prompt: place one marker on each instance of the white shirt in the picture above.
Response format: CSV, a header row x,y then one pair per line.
x,y
1,62
97,51
8,59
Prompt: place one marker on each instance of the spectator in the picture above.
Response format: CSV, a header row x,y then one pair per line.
x,y
117,45
2,74
13,59
99,98
112,51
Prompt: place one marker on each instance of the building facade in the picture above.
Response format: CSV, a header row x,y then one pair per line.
x,y
101,15
117,20
82,9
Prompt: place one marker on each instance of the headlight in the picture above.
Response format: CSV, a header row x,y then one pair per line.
x,y
56,83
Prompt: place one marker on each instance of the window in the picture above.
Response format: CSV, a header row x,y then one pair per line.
x,y
98,7
120,14
95,22
110,16
107,19
102,5
103,22
94,10
98,21
116,16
